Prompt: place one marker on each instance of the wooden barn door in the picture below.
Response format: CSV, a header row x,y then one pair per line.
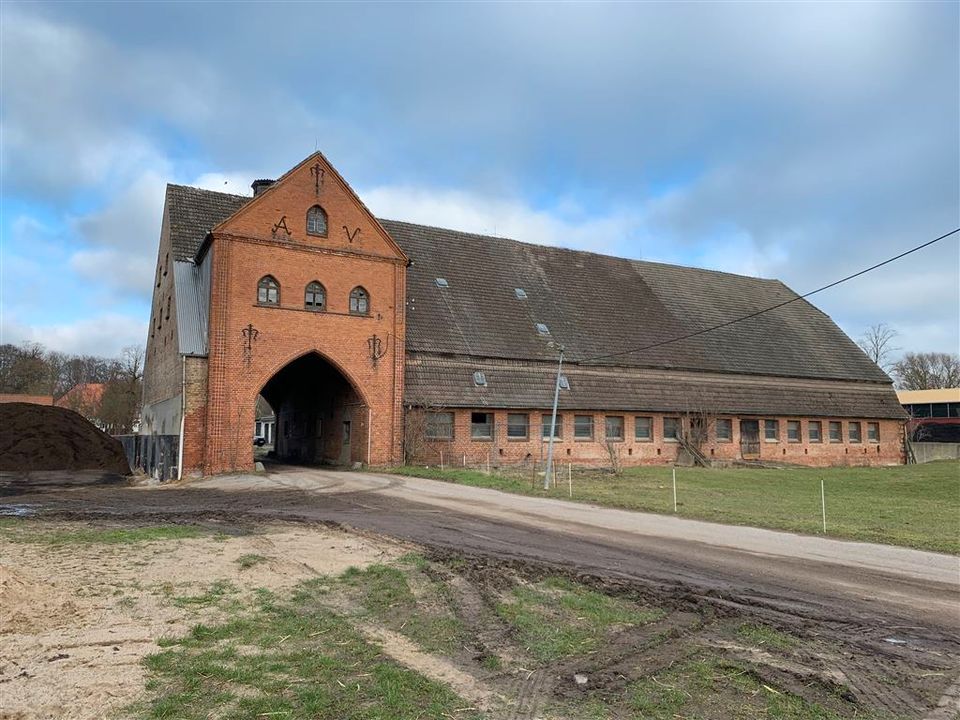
x,y
750,439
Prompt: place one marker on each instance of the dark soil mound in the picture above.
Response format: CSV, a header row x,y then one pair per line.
x,y
38,437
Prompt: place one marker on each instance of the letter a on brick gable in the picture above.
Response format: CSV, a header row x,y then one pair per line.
x,y
350,227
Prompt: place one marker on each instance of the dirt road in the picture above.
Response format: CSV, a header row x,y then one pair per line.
x,y
894,609
791,575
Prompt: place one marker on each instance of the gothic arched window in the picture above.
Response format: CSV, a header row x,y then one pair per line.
x,y
268,291
359,301
316,221
315,297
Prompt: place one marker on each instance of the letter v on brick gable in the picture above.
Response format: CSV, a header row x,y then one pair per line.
x,y
293,194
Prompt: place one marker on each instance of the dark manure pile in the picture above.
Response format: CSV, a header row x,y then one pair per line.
x,y
37,437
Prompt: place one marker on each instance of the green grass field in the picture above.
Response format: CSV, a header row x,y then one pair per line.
x,y
913,505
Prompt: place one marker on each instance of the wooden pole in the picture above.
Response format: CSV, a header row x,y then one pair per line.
x,y
570,477
441,460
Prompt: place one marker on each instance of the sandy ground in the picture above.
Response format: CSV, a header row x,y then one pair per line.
x,y
76,621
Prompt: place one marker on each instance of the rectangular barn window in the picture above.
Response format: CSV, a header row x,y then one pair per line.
x,y
853,431
836,431
671,429
643,429
873,432
545,426
771,430
815,431
724,430
518,426
439,425
793,431
583,427
614,427
481,426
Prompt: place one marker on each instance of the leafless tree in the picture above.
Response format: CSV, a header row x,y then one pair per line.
x,y
927,371
415,440
613,452
877,342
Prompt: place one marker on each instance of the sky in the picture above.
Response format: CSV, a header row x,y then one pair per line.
x,y
798,141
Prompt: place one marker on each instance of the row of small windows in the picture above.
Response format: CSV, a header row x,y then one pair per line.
x,y
314,296
440,427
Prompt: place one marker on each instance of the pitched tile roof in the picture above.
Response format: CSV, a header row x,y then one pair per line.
x,y
192,212
594,304
435,381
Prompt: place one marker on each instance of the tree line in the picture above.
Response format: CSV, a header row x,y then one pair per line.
x,y
31,369
913,371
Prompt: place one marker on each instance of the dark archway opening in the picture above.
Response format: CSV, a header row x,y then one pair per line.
x,y
320,417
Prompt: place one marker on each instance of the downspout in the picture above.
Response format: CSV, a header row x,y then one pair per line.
x,y
183,413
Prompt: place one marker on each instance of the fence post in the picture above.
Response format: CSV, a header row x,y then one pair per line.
x,y
441,461
570,477
823,506
488,462
674,489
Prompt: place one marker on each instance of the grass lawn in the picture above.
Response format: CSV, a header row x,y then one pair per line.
x,y
287,657
913,505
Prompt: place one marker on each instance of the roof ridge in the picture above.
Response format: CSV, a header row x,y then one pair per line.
x,y
578,251
194,188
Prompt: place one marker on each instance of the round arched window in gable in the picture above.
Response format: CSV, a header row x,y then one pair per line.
x,y
315,297
359,301
268,291
316,221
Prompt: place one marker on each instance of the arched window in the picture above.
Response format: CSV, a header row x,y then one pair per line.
x,y
359,301
316,221
315,297
268,291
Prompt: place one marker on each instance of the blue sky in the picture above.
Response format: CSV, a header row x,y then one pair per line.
x,y
801,141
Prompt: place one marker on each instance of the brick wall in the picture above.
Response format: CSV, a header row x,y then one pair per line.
x,y
355,252
503,450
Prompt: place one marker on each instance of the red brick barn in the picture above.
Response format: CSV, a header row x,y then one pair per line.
x,y
376,341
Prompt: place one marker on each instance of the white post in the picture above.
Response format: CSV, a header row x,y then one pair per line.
x,y
570,477
823,506
441,461
488,462
464,459
674,489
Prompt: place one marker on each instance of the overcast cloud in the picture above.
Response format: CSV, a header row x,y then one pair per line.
x,y
798,141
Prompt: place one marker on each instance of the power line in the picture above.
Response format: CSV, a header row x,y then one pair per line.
x,y
772,307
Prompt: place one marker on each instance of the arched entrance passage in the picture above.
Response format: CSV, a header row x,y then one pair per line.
x,y
321,417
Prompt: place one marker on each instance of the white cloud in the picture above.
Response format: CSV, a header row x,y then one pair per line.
x,y
103,335
503,217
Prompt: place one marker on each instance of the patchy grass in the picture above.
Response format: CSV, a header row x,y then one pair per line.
x,y
709,687
557,618
24,531
217,592
403,598
763,636
286,659
250,560
911,505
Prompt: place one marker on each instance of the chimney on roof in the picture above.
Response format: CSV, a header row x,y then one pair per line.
x,y
260,185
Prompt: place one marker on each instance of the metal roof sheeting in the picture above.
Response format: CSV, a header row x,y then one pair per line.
x,y
192,289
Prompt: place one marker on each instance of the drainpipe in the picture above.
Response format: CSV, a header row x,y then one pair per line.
x,y
183,413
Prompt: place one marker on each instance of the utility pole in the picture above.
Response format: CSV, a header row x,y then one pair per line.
x,y
553,418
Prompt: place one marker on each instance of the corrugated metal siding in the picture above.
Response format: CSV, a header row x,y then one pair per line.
x,y
192,288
